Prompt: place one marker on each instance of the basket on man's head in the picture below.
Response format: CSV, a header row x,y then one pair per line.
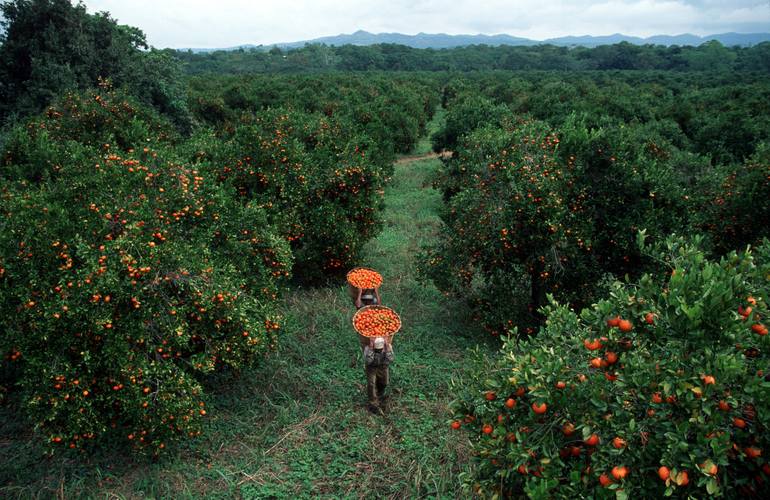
x,y
364,286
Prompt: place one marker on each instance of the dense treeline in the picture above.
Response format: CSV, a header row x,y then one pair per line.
x,y
391,57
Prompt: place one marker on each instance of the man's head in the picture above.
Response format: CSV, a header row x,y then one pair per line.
x,y
379,343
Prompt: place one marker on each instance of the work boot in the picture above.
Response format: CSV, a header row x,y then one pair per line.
x,y
385,402
374,409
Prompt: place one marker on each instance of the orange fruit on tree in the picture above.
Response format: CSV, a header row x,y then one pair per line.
x,y
619,443
724,405
664,473
539,408
613,322
490,395
592,345
682,478
611,357
605,480
739,423
625,326
568,429
619,472
487,429
510,403
560,385
649,318
592,440
753,452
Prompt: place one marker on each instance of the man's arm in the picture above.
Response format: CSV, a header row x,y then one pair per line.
x,y
389,355
368,355
358,299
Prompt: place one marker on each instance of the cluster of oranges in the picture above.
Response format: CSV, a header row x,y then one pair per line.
x,y
364,278
376,321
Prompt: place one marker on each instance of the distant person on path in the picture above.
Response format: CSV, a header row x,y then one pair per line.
x,y
367,297
377,356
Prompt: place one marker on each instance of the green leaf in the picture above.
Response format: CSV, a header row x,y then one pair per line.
x,y
712,487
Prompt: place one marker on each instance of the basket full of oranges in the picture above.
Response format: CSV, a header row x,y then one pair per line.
x,y
376,321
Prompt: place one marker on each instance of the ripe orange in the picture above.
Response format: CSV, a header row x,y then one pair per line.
x,y
605,480
510,403
753,452
613,322
592,440
596,362
592,345
649,318
724,405
490,395
708,379
664,473
656,398
739,423
759,329
625,326
682,478
560,385
618,443
487,429
619,472
539,408
456,425
568,429
611,357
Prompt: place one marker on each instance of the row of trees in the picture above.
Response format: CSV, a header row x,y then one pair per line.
x,y
552,181
392,57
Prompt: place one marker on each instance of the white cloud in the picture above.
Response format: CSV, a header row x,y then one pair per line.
x,y
224,23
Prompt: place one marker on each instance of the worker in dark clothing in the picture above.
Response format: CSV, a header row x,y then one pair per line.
x,y
377,356
367,297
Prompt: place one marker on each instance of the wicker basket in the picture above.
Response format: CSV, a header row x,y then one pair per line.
x,y
363,339
353,290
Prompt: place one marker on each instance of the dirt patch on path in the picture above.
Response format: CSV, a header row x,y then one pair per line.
x,y
426,156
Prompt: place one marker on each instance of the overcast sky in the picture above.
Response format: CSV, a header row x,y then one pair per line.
x,y
225,23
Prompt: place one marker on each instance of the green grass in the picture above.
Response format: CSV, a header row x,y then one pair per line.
x,y
297,426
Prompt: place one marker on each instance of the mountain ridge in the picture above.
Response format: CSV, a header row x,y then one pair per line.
x,y
445,41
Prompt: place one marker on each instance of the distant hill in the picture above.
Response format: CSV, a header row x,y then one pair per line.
x,y
444,41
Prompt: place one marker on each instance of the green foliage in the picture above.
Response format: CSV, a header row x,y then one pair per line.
x,y
553,206
681,386
126,275
52,46
392,57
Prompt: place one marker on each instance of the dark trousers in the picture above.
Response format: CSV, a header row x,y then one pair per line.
x,y
376,382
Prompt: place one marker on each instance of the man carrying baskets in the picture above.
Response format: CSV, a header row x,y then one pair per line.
x,y
376,325
377,357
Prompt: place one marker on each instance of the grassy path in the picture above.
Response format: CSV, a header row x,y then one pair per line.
x,y
297,426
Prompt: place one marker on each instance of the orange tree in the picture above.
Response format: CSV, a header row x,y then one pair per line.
x,y
511,228
532,210
659,389
125,275
318,182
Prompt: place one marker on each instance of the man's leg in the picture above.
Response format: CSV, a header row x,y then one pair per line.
x,y
371,388
383,378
